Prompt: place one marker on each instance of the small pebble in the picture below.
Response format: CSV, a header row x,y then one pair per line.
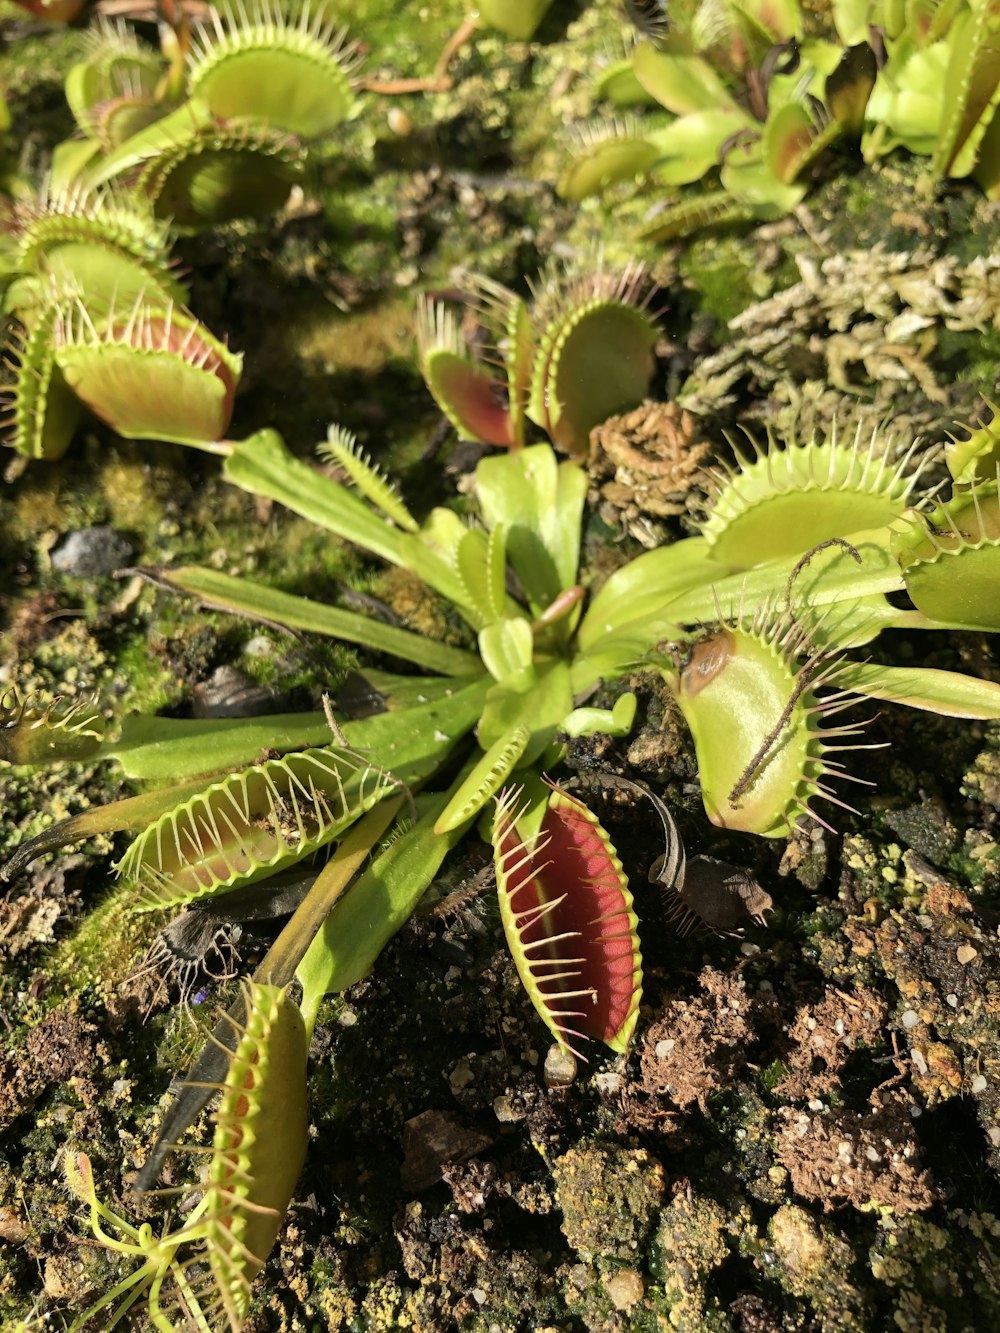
x,y
259,646
347,1017
978,1084
560,1067
663,1049
399,123
505,1110
910,1018
461,1076
625,1289
229,693
966,953
91,553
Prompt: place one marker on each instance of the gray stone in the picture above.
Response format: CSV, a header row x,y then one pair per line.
x,y
91,553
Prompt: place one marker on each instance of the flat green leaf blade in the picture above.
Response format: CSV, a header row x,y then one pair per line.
x,y
263,465
539,502
680,82
244,597
831,576
168,749
639,589
949,693
505,646
410,741
690,146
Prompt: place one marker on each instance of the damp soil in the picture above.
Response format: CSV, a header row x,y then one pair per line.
x,y
806,1132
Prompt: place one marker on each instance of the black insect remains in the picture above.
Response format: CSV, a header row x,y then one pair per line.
x,y
706,891
199,946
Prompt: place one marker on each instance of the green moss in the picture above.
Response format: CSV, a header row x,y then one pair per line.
x,y
609,1196
940,1276
814,1260
107,945
726,274
692,1241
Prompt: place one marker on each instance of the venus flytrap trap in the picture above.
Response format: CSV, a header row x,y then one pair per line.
x,y
568,918
579,353
200,1274
104,327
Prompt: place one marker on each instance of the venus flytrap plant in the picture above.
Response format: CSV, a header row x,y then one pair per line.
x,y
756,104
755,630
225,132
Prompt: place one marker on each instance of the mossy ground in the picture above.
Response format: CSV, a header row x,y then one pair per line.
x,y
807,1134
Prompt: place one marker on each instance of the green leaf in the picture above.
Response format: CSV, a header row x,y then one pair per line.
x,y
616,721
946,692
244,597
751,182
381,901
692,145
506,646
263,465
408,741
539,503
681,83
517,18
537,700
831,576
637,591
